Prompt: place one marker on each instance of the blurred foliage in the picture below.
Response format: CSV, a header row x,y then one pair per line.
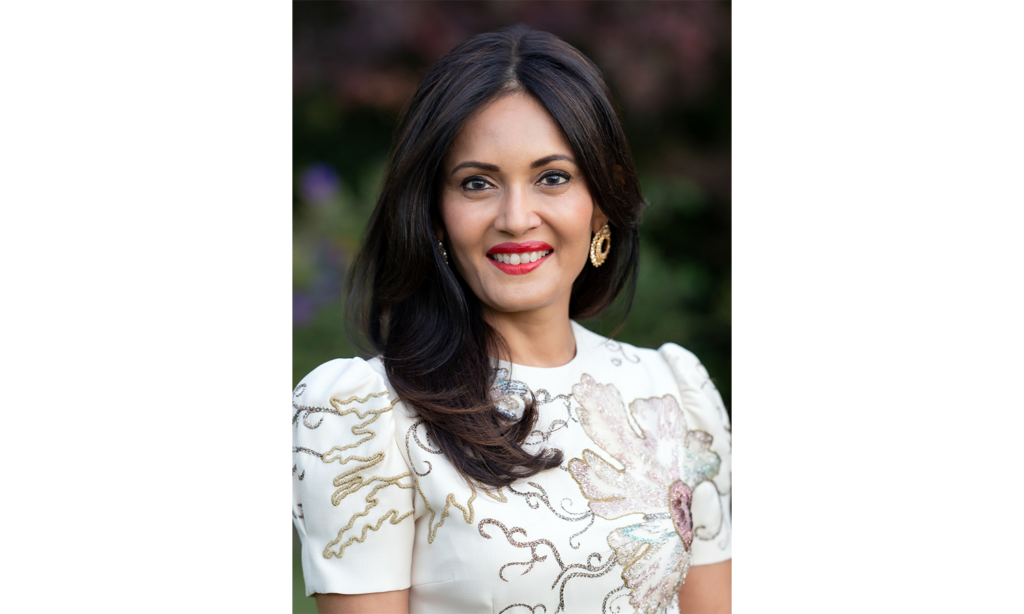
x,y
356,64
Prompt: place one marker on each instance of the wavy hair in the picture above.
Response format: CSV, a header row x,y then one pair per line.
x,y
415,310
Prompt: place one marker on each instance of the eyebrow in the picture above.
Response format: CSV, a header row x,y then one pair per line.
x,y
471,164
494,168
551,159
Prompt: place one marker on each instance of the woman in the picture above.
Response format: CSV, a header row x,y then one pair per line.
x,y
496,456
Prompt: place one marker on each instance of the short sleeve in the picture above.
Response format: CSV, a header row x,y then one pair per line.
x,y
352,490
711,506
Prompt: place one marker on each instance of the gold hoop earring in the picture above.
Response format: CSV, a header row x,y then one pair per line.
x,y
600,246
444,253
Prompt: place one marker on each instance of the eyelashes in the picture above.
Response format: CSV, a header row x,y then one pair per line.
x,y
475,184
551,179
561,177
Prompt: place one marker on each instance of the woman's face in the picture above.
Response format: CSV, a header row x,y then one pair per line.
x,y
516,210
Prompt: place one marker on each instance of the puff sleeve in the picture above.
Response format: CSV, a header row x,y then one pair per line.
x,y
352,490
704,411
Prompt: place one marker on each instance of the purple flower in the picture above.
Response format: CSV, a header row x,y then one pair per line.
x,y
303,309
319,184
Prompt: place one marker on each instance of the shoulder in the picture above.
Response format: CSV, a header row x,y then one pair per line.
x,y
624,360
349,480
695,383
341,376
646,369
344,387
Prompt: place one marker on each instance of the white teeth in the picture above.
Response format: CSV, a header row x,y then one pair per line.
x,y
521,258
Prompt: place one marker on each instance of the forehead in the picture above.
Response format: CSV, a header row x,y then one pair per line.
x,y
515,128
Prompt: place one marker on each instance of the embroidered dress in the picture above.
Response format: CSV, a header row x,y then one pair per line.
x,y
642,495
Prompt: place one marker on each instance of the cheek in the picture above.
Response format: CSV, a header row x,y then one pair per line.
x,y
581,220
464,229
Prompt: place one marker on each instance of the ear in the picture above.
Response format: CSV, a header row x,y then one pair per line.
x,y
597,220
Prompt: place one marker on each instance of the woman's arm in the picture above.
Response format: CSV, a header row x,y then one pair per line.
x,y
707,590
391,602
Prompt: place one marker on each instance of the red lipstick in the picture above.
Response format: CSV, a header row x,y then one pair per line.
x,y
520,248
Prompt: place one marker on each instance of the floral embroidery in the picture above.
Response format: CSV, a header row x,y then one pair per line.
x,y
509,395
657,481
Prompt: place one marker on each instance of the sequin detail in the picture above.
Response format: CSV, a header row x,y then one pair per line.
x,y
679,499
509,395
523,605
555,426
645,440
408,452
594,568
544,397
614,595
534,499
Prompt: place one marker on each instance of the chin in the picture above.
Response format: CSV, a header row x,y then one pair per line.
x,y
519,303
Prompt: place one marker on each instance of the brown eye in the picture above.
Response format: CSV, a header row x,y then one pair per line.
x,y
475,184
554,179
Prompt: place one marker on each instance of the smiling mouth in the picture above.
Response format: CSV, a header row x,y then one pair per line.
x,y
521,258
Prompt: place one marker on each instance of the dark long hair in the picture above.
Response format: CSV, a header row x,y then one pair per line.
x,y
418,312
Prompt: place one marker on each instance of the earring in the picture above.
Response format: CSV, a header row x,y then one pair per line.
x,y
444,253
600,246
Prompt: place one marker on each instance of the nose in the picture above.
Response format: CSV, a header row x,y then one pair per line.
x,y
518,212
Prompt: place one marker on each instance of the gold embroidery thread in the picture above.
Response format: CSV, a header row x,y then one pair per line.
x,y
351,481
449,501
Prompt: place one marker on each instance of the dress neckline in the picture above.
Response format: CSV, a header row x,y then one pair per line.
x,y
519,371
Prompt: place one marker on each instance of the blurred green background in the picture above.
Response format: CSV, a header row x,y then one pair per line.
x,y
356,64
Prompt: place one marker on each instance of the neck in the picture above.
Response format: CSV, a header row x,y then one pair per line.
x,y
540,338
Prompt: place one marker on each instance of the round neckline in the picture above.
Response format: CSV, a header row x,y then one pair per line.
x,y
516,370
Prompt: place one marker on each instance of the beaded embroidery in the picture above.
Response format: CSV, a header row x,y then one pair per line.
x,y
509,395
532,499
533,608
657,480
351,481
467,512
408,452
592,569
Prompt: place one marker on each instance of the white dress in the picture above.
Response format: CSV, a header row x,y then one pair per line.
x,y
643,491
